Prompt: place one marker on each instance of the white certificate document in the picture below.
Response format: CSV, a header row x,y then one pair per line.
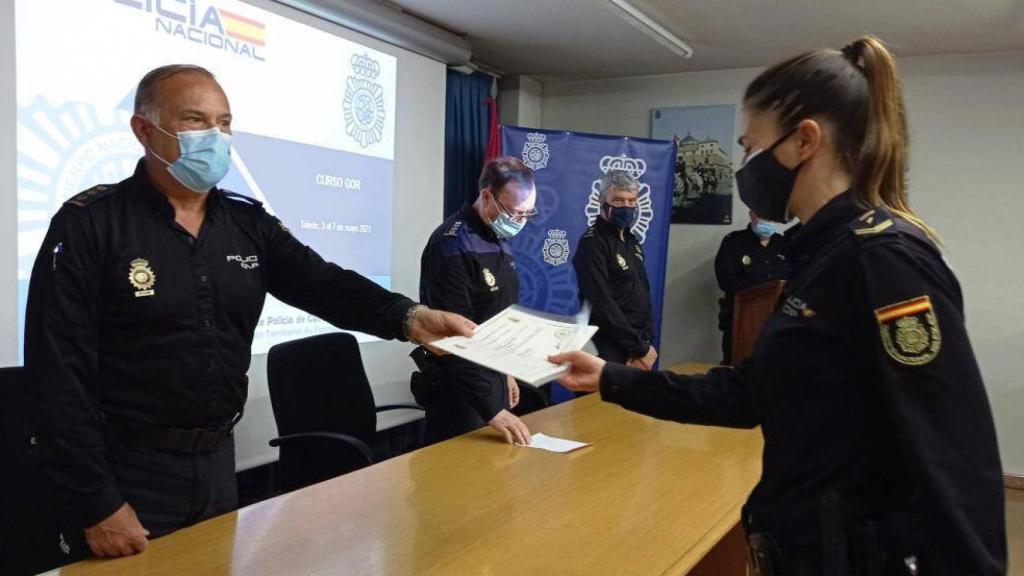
x,y
518,341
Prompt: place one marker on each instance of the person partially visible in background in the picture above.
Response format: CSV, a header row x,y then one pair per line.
x,y
746,258
609,264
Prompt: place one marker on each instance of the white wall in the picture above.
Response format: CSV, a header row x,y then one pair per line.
x,y
8,181
966,115
519,101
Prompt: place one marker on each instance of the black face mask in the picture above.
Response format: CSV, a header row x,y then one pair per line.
x,y
765,185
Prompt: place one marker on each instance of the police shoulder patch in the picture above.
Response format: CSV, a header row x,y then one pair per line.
x,y
910,331
83,199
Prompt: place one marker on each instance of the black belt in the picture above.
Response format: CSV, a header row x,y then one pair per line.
x,y
169,439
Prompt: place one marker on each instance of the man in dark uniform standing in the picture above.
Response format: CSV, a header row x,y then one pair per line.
x,y
609,265
467,267
745,259
141,316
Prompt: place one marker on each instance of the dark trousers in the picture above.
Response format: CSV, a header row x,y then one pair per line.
x,y
449,416
168,491
610,352
449,412
727,346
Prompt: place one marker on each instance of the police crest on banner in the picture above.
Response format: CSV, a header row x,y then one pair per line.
x,y
535,151
635,167
556,248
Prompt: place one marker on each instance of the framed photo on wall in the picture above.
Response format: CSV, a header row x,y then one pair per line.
x,y
704,181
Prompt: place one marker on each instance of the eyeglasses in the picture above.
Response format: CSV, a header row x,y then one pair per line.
x,y
520,217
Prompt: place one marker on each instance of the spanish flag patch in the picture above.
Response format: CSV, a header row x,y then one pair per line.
x,y
910,331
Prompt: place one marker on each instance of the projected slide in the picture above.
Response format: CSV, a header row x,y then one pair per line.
x,y
313,122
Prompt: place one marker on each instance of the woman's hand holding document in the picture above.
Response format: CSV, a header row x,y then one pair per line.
x,y
518,341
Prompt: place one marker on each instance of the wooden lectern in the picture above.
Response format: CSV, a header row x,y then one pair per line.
x,y
751,309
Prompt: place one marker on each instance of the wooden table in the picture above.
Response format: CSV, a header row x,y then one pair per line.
x,y
649,497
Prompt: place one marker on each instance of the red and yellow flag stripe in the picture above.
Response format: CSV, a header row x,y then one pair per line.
x,y
901,309
244,29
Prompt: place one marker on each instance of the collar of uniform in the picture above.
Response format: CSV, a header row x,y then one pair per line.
x,y
836,213
158,201
145,188
474,221
605,227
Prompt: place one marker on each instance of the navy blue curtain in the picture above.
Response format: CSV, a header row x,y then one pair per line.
x,y
466,123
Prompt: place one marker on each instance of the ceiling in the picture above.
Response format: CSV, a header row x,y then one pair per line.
x,y
563,39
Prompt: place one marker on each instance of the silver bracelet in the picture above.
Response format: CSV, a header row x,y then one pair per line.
x,y
410,314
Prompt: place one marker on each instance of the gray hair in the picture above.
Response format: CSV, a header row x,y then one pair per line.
x,y
619,180
146,92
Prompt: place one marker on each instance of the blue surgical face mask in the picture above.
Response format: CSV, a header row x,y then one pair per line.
x,y
621,216
204,160
764,229
503,224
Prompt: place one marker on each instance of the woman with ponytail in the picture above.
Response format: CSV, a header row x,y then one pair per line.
x,y
880,452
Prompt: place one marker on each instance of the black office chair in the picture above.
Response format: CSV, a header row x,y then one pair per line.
x,y
531,399
324,408
30,531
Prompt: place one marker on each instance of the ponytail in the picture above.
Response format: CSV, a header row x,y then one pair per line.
x,y
857,90
880,171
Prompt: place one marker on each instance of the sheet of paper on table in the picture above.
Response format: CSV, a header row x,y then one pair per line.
x,y
518,341
552,444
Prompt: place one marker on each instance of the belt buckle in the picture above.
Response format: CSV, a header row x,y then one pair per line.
x,y
206,440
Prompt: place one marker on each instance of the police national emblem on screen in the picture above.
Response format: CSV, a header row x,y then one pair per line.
x,y
364,102
535,151
636,167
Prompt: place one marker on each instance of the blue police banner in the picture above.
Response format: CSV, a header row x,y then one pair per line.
x,y
568,167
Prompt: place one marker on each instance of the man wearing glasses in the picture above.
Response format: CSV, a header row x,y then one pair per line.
x,y
467,268
609,265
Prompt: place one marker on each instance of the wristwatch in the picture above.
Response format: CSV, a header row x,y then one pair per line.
x,y
410,314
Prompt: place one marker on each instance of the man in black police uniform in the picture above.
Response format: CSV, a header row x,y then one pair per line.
x,y
467,267
746,258
141,315
609,265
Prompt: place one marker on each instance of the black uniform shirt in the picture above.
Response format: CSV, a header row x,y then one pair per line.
x,y
868,395
466,268
742,261
613,278
130,316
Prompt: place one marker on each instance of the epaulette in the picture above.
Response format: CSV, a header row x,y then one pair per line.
x,y
589,233
83,199
241,198
873,223
454,229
